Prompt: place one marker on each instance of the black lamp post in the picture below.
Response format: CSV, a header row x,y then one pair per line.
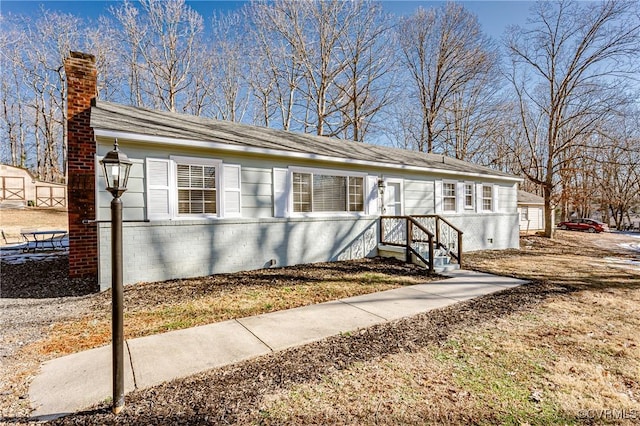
x,y
116,166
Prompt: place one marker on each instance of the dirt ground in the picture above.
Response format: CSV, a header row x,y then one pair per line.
x,y
562,342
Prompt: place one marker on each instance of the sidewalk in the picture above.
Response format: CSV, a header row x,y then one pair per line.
x,y
78,381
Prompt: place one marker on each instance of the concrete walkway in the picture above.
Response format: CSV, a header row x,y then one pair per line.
x,y
78,381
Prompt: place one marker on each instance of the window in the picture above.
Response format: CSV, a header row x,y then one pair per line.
x,y
356,194
196,189
468,196
524,213
487,197
449,196
301,192
192,187
327,193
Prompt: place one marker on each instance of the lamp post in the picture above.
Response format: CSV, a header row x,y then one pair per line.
x,y
116,166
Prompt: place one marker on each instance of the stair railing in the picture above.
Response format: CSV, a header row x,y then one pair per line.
x,y
438,232
405,231
448,236
412,238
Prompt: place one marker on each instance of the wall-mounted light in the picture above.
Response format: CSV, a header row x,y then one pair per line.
x,y
381,184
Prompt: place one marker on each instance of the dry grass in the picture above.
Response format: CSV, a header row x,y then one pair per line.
x,y
571,360
13,220
522,369
217,304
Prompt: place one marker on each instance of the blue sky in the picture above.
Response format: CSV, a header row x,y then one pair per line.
x,y
494,15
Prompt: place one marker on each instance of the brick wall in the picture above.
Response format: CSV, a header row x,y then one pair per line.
x,y
164,250
81,75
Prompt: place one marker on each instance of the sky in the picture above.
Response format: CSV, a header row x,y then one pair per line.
x,y
494,16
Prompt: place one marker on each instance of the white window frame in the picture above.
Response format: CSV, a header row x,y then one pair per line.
x,y
491,198
472,187
195,161
455,196
328,172
192,180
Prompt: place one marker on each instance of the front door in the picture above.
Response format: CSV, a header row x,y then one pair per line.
x,y
392,198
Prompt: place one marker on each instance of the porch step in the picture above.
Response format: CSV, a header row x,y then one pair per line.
x,y
446,268
396,252
438,260
441,262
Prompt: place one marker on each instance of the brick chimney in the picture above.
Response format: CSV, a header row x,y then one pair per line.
x,y
80,69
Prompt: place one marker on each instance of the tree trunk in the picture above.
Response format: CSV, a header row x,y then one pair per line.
x,y
549,226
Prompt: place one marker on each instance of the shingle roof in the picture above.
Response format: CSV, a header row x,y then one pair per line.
x,y
120,118
529,198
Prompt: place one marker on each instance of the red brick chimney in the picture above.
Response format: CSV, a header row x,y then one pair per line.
x,y
81,72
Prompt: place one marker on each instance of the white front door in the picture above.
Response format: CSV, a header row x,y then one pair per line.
x,y
392,198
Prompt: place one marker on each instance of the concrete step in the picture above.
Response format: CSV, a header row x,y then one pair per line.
x,y
446,268
442,262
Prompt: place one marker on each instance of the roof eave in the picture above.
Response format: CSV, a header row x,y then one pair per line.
x,y
107,133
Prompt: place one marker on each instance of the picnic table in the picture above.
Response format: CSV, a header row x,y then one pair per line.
x,y
37,239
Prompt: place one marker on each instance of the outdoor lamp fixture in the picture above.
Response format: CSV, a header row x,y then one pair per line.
x,y
381,185
116,166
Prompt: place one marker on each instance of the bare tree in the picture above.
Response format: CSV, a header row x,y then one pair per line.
x,y
229,68
130,41
615,170
276,69
473,116
162,41
199,95
568,67
364,87
50,38
322,65
14,121
443,50
103,41
312,31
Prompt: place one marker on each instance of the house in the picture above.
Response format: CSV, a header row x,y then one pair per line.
x,y
19,188
531,211
207,196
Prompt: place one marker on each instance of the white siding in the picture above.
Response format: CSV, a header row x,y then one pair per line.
x,y
507,198
438,196
419,197
535,220
257,192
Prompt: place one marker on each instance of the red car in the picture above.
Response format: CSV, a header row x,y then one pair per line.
x,y
588,225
